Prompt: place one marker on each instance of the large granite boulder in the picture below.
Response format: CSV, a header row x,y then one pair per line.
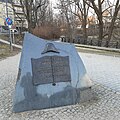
x,y
51,74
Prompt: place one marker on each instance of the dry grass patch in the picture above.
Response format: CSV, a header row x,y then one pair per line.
x,y
5,51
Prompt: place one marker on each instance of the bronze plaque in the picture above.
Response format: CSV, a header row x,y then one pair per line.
x,y
51,69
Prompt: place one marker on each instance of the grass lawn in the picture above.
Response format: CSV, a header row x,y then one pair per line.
x,y
18,38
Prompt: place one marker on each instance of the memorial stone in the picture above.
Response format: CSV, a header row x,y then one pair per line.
x,y
51,74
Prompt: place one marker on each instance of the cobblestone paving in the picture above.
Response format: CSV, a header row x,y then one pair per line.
x,y
104,106
103,69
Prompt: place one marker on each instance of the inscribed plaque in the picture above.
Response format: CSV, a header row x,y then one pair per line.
x,y
51,69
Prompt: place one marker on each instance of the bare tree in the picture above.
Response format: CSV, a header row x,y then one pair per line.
x,y
39,11
32,9
82,13
65,9
48,27
112,24
27,10
99,12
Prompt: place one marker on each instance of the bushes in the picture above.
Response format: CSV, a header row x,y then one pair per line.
x,y
47,32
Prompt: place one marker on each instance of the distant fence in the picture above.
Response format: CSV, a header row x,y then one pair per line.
x,y
94,42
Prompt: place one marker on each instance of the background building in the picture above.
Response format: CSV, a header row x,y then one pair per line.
x,y
3,12
19,18
14,10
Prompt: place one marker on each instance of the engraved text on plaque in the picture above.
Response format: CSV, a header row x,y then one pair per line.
x,y
51,69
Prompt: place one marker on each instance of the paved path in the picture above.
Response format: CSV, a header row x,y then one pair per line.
x,y
97,48
103,69
105,106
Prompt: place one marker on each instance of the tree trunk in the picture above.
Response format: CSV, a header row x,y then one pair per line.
x,y
100,18
30,26
84,32
111,27
69,28
84,23
100,33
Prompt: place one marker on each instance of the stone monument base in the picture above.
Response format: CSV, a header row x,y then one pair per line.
x,y
69,96
51,74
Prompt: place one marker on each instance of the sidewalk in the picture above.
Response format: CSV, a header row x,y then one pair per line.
x,y
98,48
103,69
106,105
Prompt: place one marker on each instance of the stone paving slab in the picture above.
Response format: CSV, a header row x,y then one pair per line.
x,y
103,69
104,106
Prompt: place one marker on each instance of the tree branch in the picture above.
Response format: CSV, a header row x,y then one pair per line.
x,y
102,2
106,9
89,4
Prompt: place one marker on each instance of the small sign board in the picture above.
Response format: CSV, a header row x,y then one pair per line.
x,y
8,21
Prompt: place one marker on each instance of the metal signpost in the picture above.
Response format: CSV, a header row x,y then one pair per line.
x,y
13,32
9,23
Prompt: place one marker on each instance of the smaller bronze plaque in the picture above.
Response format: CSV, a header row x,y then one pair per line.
x,y
42,72
61,69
